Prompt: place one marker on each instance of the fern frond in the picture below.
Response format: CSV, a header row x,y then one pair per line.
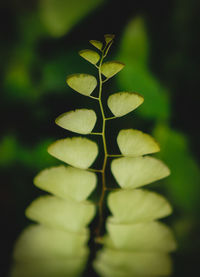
x,y
135,242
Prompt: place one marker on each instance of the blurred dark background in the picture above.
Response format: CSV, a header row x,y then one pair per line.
x,y
159,43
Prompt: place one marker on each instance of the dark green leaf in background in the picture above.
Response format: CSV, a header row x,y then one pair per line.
x,y
59,16
137,75
183,183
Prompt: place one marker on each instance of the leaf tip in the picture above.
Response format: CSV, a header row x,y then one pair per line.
x,y
97,44
109,38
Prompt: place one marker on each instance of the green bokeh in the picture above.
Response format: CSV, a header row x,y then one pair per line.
x,y
39,48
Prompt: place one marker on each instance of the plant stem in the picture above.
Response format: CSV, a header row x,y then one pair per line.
x,y
100,204
98,134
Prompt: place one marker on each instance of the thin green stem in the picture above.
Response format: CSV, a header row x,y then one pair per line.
x,y
106,155
93,97
105,80
109,118
98,134
100,204
108,47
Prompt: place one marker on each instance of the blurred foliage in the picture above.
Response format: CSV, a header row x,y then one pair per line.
x,y
8,150
39,40
183,183
60,16
50,18
12,152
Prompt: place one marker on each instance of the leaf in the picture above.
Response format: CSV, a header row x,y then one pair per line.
x,y
137,172
122,103
65,214
97,44
77,151
135,263
67,182
109,38
90,55
80,121
137,206
53,267
109,69
59,17
136,143
148,236
82,83
38,241
134,44
106,270
183,184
